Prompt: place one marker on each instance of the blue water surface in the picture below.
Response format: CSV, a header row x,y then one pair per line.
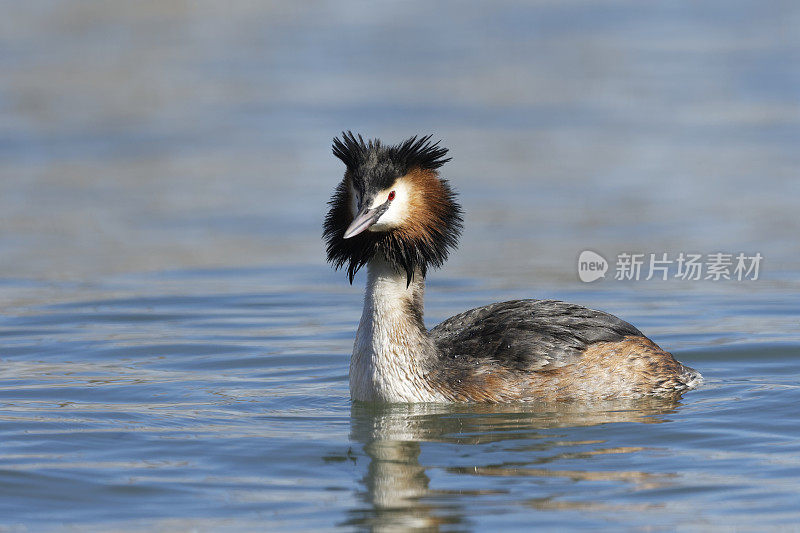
x,y
216,399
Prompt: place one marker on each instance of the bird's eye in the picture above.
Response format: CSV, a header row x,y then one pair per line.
x,y
391,196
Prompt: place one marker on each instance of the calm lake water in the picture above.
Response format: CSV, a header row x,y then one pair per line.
x,y
174,350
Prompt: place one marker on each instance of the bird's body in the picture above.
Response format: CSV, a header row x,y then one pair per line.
x,y
393,213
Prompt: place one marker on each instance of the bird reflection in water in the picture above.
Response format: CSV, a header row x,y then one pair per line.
x,y
396,487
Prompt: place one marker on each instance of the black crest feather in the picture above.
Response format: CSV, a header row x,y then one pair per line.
x,y
414,152
372,165
350,150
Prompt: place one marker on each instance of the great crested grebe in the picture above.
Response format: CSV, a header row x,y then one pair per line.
x,y
393,213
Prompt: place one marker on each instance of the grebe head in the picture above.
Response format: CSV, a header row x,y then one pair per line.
x,y
391,202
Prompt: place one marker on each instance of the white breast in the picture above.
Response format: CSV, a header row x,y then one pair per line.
x,y
390,351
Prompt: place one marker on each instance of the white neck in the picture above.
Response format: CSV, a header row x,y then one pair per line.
x,y
392,347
